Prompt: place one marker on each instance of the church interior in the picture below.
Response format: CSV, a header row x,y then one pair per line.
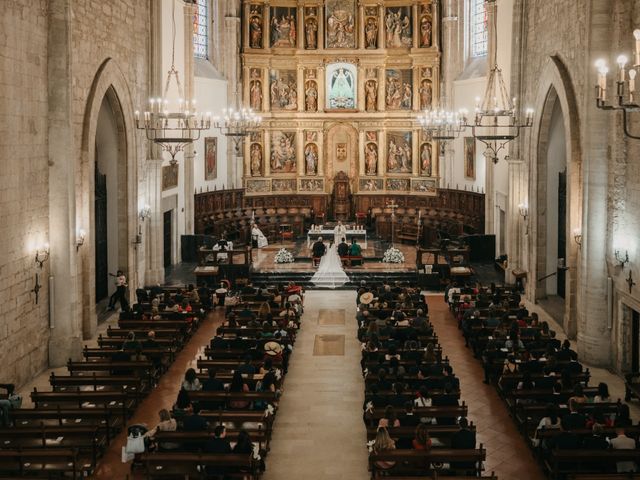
x,y
319,239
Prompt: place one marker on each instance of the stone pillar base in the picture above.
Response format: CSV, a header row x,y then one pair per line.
x,y
594,350
63,349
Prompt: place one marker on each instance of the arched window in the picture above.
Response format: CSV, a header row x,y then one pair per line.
x,y
201,29
477,28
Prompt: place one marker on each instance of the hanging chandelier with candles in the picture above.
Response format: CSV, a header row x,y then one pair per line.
x,y
237,123
497,118
172,130
625,86
439,124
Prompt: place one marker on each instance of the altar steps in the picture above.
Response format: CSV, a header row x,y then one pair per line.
x,y
304,278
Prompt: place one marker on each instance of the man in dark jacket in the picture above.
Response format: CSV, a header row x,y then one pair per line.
x,y
319,248
463,439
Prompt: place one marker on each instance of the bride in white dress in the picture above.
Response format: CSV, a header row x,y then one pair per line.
x,y
330,273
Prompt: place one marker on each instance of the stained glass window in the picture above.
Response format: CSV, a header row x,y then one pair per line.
x,y
201,29
478,28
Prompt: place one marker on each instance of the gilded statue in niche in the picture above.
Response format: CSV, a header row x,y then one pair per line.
x,y
255,27
399,92
371,33
398,27
311,159
283,90
426,95
311,96
311,28
426,27
371,95
283,27
371,158
341,23
399,158
283,152
256,159
425,160
255,95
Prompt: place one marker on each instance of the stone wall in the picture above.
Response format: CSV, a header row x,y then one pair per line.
x,y
86,33
23,187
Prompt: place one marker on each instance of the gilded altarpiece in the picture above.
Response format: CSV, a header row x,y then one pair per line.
x,y
339,84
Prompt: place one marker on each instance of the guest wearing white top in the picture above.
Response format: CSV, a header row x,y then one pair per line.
x,y
622,442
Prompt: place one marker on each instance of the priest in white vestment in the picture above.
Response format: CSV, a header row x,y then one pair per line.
x,y
258,236
339,232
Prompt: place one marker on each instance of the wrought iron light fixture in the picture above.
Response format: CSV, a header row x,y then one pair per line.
x,y
172,130
577,236
625,87
523,208
498,120
622,259
42,255
237,124
80,238
442,124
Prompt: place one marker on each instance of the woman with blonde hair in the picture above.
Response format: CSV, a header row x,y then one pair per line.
x,y
383,443
264,310
166,424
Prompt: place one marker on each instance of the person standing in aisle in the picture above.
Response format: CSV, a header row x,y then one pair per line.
x,y
120,294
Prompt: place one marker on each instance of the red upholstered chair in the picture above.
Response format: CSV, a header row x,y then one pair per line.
x,y
361,217
286,233
319,220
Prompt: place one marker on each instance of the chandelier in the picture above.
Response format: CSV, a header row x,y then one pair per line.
x,y
442,124
625,87
237,124
172,130
497,119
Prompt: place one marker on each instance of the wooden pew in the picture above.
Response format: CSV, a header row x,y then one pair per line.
x,y
217,365
185,465
258,435
432,412
112,400
435,431
44,461
102,418
87,440
131,383
560,462
419,460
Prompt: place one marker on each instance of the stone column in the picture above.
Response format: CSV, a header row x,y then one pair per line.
x,y
189,75
490,196
234,90
516,229
65,340
153,230
593,335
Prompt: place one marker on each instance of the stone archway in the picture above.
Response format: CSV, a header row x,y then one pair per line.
x,y
109,86
557,103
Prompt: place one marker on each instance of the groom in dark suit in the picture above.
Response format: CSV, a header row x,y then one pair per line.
x,y
319,248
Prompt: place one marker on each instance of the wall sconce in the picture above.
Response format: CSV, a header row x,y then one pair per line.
x,y
577,236
621,259
145,212
524,213
42,254
630,281
80,237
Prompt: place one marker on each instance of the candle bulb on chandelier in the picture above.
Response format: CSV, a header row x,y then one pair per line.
x,y
636,34
632,83
622,61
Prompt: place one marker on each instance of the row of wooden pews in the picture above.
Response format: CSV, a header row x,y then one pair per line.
x,y
70,426
402,362
236,346
539,377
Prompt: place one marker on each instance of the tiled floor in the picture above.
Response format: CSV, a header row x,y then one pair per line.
x,y
319,432
507,454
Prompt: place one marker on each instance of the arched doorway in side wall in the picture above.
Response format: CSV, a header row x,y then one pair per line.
x,y
552,200
110,198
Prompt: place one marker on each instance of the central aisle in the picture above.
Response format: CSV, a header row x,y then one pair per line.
x,y
319,432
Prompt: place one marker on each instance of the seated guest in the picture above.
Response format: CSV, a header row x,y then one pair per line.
x,y
246,312
565,440
389,419
623,418
622,442
463,439
551,421
420,320
238,385
218,442
212,384
410,419
131,344
12,401
446,400
565,354
191,382
578,394
603,394
247,367
422,440
597,440
343,248
166,424
195,422
381,444
574,420
355,250
183,405
243,443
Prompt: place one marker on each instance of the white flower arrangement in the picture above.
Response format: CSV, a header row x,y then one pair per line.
x,y
393,255
284,256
